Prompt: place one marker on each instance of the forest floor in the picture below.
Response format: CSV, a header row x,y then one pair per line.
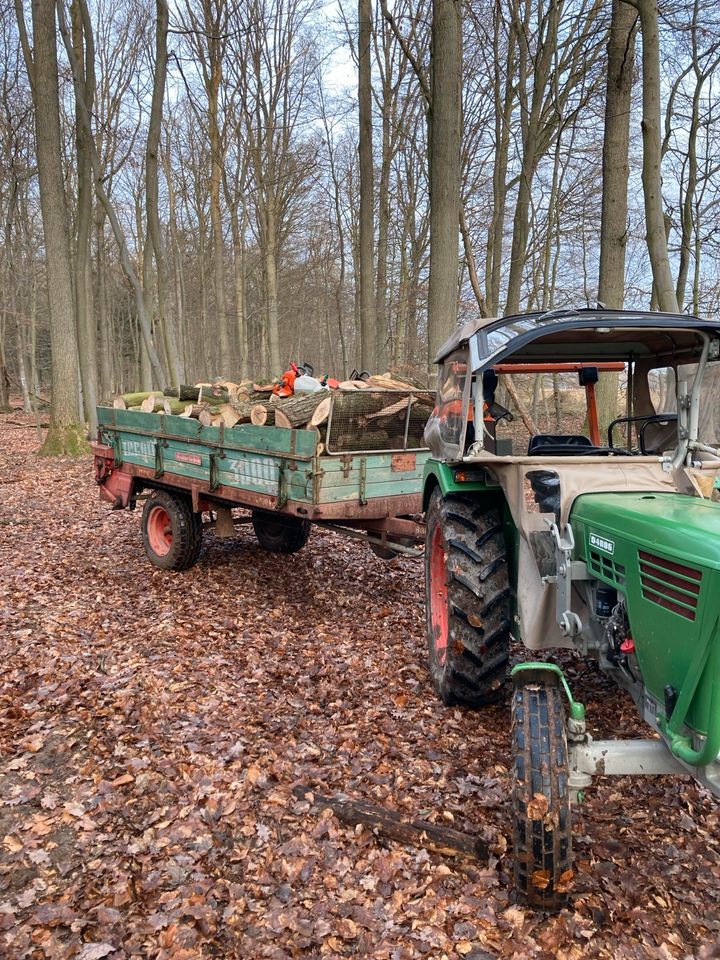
x,y
153,726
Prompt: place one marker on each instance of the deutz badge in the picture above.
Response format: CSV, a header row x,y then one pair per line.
x,y
602,543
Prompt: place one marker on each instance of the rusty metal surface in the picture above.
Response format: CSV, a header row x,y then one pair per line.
x,y
403,462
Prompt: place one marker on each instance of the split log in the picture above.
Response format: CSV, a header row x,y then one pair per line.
x,y
262,415
205,418
228,414
387,381
359,440
119,403
388,411
321,412
423,401
300,409
171,406
148,404
242,408
388,823
282,420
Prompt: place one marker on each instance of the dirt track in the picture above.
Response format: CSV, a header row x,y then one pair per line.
x,y
152,728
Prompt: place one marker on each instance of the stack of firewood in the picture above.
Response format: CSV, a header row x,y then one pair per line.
x,y
363,408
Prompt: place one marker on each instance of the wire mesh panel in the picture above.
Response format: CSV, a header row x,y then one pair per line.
x,y
378,420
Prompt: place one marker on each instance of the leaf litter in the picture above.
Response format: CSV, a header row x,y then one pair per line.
x,y
153,726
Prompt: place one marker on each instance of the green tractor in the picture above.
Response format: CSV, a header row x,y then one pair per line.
x,y
607,545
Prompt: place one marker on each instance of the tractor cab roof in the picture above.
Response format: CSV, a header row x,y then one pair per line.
x,y
581,335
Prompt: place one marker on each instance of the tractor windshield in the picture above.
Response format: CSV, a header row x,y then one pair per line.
x,y
709,406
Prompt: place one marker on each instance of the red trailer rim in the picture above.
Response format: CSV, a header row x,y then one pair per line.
x,y
159,531
438,595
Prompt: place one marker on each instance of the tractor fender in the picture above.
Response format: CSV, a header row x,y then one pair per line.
x,y
456,478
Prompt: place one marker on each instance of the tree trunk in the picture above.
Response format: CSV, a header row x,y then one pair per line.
x,y
86,327
65,435
616,171
154,233
444,127
368,318
652,156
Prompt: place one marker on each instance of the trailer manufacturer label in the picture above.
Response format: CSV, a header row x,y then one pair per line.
x,y
194,458
602,543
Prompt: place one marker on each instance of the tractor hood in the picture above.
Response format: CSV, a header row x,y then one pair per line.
x,y
683,527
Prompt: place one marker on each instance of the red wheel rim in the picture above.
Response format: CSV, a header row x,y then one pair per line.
x,y
159,531
438,594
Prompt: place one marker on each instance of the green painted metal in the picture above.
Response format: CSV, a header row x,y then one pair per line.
x,y
577,709
662,551
265,460
439,473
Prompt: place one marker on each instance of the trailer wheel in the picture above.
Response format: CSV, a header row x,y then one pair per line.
x,y
280,533
171,531
540,801
467,600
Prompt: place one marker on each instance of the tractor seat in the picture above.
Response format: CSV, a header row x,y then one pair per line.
x,y
560,444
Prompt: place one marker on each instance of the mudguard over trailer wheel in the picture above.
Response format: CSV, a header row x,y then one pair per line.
x,y
540,800
280,533
467,599
171,531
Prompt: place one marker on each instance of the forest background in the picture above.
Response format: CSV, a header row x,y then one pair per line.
x,y
224,210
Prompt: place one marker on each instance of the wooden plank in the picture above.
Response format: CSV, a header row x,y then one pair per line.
x,y
301,443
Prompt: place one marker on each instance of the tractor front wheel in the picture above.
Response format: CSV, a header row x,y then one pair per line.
x,y
280,533
171,531
467,599
540,800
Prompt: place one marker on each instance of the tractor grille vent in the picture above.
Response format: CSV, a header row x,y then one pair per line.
x,y
606,567
669,584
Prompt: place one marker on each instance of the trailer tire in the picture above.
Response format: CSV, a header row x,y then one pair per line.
x,y
542,843
171,531
280,533
467,599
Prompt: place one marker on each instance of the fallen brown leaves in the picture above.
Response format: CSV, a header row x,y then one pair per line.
x,y
153,726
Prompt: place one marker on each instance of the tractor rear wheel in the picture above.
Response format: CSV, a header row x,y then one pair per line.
x,y
540,801
280,533
171,531
467,599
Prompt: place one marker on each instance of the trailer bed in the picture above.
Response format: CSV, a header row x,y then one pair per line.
x,y
268,469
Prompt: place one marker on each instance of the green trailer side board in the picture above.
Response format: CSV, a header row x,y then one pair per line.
x,y
272,461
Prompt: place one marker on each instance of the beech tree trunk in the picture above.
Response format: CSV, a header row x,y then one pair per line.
x,y
368,318
65,435
445,124
616,171
652,156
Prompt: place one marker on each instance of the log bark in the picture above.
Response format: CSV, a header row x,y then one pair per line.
x,y
389,823
262,415
300,409
242,408
135,399
188,393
